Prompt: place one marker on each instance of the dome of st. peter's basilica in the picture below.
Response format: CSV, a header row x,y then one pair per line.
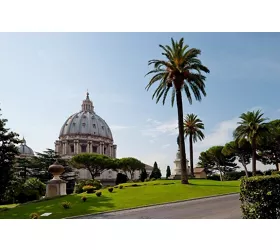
x,y
83,132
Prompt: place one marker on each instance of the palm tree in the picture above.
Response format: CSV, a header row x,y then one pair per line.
x,y
181,70
251,127
193,127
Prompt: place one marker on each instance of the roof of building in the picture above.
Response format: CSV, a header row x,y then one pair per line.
x,y
86,122
148,167
198,170
24,149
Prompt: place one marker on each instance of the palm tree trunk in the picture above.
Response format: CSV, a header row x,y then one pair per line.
x,y
254,159
191,155
245,167
184,177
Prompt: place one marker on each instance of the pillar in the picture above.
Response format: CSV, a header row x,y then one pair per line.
x,y
101,150
115,151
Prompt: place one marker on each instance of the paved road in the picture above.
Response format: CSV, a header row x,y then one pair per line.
x,y
222,207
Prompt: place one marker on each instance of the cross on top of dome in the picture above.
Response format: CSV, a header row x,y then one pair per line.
x,y
87,104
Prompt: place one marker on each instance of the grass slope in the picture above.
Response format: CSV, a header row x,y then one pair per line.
x,y
149,193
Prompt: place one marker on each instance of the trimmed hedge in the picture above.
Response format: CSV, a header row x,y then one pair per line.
x,y
260,197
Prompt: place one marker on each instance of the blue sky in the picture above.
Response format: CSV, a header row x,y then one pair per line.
x,y
44,78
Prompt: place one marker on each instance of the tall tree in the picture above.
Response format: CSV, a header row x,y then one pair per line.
x,y
242,150
251,127
269,145
8,151
43,160
193,127
181,70
23,168
96,164
130,165
168,172
156,173
205,161
223,164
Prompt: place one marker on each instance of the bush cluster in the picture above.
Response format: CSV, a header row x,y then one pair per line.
x,y
260,197
34,216
94,183
110,189
120,186
121,178
84,198
275,172
98,193
32,189
89,189
66,204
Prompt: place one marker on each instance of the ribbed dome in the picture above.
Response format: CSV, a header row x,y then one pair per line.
x,y
86,122
25,150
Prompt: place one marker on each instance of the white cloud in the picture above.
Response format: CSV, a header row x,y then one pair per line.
x,y
155,128
221,134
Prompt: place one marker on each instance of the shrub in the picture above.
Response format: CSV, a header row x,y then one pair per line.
x,y
152,179
143,175
135,185
98,194
84,198
275,172
34,216
147,179
130,181
94,183
260,197
120,186
121,178
32,189
268,172
233,176
214,177
89,189
110,189
66,204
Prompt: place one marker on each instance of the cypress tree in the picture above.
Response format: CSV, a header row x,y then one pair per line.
x,y
156,173
168,172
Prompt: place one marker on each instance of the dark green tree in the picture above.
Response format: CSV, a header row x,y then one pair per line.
x,y
193,127
8,151
181,70
221,163
156,173
205,161
42,161
96,164
143,175
252,127
242,150
130,165
168,172
23,168
269,145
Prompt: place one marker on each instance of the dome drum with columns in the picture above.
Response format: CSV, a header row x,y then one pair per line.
x,y
85,132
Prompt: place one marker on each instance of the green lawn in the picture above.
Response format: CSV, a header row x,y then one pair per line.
x,y
149,193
